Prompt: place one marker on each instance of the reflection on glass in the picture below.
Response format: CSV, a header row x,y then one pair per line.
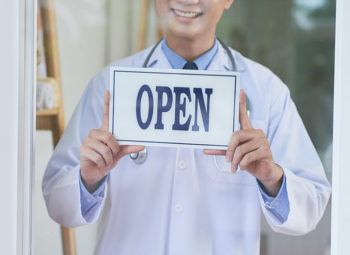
x,y
295,39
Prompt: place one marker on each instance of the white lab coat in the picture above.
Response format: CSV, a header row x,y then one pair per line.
x,y
180,201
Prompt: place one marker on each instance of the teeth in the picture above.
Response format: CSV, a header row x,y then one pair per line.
x,y
186,14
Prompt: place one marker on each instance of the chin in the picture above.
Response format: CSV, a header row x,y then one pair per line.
x,y
184,32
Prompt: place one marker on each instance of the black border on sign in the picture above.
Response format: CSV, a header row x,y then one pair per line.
x,y
154,142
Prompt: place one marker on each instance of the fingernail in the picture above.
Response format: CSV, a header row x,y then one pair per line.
x,y
233,168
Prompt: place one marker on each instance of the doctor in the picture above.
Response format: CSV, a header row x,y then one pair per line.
x,y
181,201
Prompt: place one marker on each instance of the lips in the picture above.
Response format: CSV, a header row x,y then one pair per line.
x,y
186,14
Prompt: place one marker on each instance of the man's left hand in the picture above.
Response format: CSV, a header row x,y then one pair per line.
x,y
250,150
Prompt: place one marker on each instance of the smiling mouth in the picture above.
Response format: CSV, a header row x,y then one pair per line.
x,y
186,14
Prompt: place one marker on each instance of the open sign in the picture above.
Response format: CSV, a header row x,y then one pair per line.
x,y
180,93
162,107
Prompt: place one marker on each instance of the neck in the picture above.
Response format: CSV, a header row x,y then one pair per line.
x,y
189,48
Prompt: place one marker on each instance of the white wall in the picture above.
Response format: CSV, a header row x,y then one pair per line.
x,y
341,148
9,23
119,32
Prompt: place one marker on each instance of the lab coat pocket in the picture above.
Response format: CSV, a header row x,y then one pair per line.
x,y
221,172
221,169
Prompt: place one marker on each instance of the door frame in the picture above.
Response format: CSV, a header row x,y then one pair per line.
x,y
26,123
341,136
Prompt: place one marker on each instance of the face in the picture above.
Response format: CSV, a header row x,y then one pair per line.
x,y
191,18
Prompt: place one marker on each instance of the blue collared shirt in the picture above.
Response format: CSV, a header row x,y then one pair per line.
x,y
177,62
278,206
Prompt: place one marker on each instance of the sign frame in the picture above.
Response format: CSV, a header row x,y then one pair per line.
x,y
114,70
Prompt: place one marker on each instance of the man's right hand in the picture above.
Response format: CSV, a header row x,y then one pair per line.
x,y
100,152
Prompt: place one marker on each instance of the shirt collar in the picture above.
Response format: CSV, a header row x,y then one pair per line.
x,y
220,61
177,62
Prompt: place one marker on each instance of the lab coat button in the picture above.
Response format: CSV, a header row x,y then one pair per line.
x,y
178,208
182,164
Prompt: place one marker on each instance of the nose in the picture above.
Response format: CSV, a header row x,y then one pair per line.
x,y
188,2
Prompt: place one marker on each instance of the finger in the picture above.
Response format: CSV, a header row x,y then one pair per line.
x,y
101,148
234,168
89,154
245,148
252,157
105,118
214,152
234,141
237,138
125,150
243,115
128,149
113,144
101,135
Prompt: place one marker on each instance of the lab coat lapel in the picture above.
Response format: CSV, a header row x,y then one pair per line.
x,y
222,62
158,59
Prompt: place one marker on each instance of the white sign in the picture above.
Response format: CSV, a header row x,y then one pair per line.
x,y
179,108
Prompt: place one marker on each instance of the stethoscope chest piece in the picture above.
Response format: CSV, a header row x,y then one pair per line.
x,y
139,157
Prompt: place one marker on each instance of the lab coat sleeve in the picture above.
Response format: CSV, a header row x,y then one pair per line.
x,y
61,181
308,189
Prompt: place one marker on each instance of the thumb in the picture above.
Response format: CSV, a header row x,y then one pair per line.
x,y
105,118
243,115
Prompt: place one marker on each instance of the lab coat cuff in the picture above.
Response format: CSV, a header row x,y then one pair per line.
x,y
270,199
278,206
98,192
90,201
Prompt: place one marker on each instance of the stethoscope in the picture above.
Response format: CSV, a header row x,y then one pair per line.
x,y
141,156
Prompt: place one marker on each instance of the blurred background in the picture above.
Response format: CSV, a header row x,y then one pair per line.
x,y
294,38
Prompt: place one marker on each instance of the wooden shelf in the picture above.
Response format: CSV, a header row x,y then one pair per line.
x,y
47,112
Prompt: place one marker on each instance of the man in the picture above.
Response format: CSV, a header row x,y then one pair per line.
x,y
180,201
